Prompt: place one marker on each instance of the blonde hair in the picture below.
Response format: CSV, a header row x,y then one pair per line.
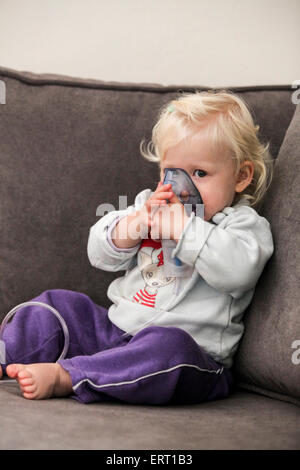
x,y
226,120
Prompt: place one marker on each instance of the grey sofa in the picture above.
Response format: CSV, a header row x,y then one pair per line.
x,y
66,146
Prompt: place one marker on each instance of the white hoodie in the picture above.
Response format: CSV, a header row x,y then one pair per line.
x,y
225,257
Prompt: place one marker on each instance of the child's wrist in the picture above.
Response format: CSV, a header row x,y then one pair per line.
x,y
126,232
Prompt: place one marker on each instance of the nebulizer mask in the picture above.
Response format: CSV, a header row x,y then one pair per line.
x,y
12,312
190,197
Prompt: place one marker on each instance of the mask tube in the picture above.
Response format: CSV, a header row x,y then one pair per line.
x,y
41,304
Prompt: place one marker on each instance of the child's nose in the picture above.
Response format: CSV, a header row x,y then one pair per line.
x,y
184,195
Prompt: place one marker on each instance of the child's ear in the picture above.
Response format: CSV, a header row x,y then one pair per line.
x,y
245,176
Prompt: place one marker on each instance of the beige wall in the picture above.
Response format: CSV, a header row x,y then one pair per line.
x,y
211,42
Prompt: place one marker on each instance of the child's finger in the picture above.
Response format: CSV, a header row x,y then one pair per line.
x,y
160,202
163,187
174,199
163,195
157,203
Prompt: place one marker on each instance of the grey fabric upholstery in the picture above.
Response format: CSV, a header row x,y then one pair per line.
x,y
68,145
243,421
267,360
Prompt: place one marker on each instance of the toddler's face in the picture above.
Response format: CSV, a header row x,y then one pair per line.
x,y
212,173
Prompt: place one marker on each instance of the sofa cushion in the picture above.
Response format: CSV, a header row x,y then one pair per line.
x,y
268,359
242,421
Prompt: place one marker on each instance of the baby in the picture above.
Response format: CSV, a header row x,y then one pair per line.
x,y
166,338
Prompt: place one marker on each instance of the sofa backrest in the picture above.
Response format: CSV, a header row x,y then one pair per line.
x,y
268,359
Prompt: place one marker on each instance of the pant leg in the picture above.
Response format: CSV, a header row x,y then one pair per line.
x,y
158,365
35,334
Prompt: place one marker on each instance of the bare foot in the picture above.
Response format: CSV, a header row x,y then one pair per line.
x,y
42,380
1,372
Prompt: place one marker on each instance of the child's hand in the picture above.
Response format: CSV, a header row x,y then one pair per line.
x,y
169,220
162,192
157,200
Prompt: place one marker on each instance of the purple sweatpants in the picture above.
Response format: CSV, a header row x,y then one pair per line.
x,y
158,365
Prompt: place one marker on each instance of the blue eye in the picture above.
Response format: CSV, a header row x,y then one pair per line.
x,y
200,173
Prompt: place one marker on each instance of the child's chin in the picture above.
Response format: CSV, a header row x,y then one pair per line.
x,y
208,217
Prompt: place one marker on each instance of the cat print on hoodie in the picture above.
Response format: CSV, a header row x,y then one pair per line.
x,y
151,264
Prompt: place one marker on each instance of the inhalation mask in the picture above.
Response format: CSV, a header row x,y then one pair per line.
x,y
185,190
188,194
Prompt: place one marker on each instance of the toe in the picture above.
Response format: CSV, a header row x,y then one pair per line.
x,y
29,396
13,370
29,388
26,380
24,374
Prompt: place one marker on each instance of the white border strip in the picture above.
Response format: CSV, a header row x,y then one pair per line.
x,y
218,371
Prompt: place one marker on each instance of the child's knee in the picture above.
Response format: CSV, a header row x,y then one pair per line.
x,y
173,341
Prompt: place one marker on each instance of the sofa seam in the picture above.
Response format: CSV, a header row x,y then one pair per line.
x,y
37,80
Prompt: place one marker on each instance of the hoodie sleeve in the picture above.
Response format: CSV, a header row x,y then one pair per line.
x,y
101,251
230,253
